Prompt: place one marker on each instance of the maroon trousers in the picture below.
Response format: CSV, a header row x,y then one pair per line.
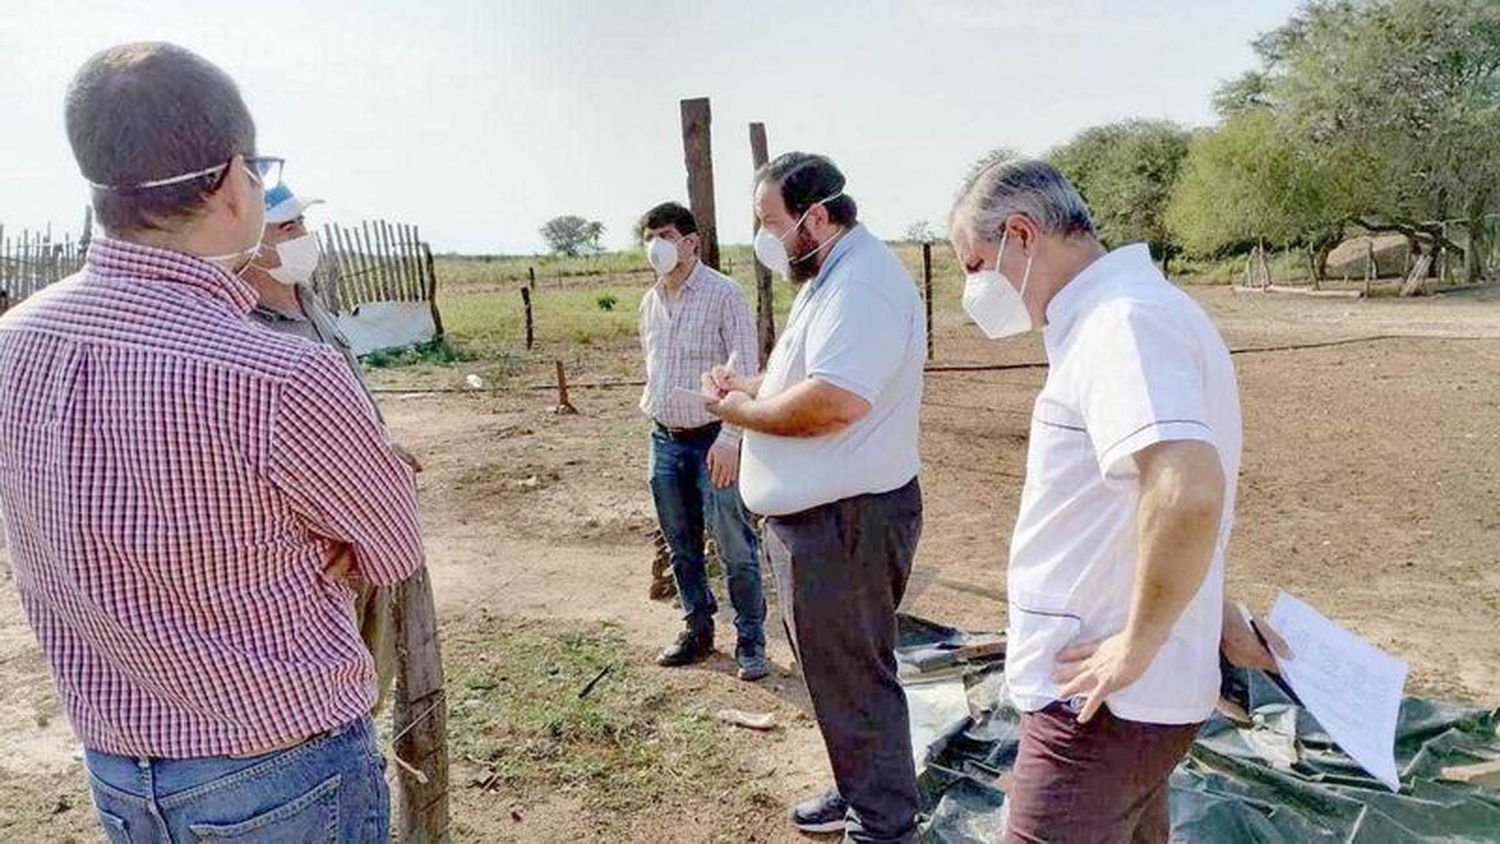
x,y
1104,781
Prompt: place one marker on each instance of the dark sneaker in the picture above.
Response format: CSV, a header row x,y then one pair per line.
x,y
693,645
824,813
753,664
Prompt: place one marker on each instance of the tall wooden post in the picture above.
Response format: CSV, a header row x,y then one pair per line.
x,y
698,155
765,295
420,716
427,263
564,404
927,291
530,330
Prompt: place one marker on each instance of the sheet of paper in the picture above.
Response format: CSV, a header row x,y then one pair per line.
x,y
1352,687
683,392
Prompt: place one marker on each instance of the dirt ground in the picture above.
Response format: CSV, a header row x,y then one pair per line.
x,y
1370,487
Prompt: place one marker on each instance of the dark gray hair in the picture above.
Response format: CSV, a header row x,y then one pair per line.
x,y
145,111
995,189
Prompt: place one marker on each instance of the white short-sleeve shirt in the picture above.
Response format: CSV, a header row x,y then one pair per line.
x,y
859,326
1134,362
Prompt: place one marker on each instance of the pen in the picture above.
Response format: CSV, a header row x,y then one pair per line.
x,y
1275,676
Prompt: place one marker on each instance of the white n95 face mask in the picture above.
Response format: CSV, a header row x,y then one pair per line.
x,y
771,250
299,259
993,302
662,254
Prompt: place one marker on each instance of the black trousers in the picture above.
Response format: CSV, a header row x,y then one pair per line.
x,y
841,569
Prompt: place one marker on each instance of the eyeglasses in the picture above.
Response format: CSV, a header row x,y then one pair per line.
x,y
265,169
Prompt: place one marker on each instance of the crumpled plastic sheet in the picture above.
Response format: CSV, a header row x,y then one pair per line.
x,y
1277,779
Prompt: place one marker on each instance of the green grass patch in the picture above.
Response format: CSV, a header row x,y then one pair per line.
x,y
514,705
457,272
438,351
604,311
490,320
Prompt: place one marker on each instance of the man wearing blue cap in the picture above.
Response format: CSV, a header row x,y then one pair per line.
x,y
281,275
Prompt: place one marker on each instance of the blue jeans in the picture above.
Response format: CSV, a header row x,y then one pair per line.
x,y
686,503
328,789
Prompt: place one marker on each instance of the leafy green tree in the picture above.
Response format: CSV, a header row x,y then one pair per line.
x,y
919,232
1126,172
1247,180
1405,96
572,235
1245,92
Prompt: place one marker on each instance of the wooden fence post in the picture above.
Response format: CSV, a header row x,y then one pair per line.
x,y
418,277
437,318
927,291
389,280
531,277
420,715
526,301
699,158
564,406
765,294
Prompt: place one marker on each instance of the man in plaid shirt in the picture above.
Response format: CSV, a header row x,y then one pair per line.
x,y
180,486
691,320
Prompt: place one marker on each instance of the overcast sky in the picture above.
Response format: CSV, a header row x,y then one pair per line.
x,y
478,121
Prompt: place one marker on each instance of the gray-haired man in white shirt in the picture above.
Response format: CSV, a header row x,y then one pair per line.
x,y
1116,578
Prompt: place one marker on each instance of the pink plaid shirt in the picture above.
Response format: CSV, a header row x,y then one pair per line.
x,y
174,481
689,336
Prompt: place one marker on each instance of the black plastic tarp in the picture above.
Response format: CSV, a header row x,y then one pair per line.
x,y
1277,778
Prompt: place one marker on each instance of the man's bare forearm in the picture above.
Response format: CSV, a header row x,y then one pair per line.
x,y
811,408
1180,512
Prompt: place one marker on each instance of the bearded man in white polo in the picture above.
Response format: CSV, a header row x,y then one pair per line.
x,y
830,458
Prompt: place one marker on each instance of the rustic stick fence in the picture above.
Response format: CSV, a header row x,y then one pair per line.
x,y
375,261
29,261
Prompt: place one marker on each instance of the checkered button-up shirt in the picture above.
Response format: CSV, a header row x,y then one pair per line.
x,y
688,336
175,480
315,323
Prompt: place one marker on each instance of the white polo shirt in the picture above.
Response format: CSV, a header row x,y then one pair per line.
x,y
859,325
1134,362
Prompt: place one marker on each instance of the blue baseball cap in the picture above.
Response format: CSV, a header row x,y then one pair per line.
x,y
283,207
